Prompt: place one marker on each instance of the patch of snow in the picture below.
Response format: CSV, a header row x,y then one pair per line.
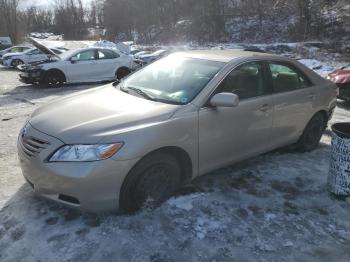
x,y
183,202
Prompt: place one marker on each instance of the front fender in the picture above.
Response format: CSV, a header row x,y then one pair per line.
x,y
179,132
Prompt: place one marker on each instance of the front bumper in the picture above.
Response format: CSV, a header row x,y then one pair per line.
x,y
6,63
32,76
89,186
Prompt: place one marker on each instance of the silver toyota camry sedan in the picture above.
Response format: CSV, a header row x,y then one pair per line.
x,y
137,142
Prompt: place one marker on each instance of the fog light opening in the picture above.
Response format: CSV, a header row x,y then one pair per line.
x,y
69,199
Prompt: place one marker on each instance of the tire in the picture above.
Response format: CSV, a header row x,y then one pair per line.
x,y
122,72
152,181
53,78
16,62
312,134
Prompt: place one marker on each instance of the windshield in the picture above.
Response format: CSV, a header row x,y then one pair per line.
x,y
174,79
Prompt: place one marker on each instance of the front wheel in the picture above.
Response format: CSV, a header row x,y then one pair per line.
x,y
150,182
312,134
16,62
53,78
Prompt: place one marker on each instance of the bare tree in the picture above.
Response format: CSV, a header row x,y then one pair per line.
x,y
10,14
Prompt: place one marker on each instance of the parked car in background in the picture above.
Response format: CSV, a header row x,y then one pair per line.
x,y
81,65
180,117
27,57
5,42
14,49
341,78
151,57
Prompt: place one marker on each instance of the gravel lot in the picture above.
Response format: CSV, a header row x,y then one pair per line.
x,y
271,208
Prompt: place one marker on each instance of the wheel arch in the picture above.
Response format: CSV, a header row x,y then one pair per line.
x,y
122,68
181,155
16,58
56,70
323,113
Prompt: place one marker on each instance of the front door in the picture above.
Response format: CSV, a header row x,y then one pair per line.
x,y
107,64
227,135
84,68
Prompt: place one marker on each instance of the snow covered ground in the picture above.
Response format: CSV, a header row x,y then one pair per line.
x,y
271,208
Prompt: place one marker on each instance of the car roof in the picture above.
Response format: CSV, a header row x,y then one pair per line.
x,y
96,48
224,55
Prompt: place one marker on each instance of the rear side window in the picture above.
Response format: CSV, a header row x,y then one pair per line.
x,y
107,54
246,81
286,78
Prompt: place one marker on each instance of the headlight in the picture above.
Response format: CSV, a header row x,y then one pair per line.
x,y
7,57
81,153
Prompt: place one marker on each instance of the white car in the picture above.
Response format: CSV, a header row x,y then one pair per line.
x,y
13,49
82,65
27,57
151,57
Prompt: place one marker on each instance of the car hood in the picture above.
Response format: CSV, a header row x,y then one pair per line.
x,y
90,116
32,65
42,48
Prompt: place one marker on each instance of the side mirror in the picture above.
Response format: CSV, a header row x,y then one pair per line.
x,y
74,59
224,100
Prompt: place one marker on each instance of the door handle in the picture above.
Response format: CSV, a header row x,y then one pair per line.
x,y
264,108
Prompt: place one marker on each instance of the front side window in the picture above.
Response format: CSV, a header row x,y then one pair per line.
x,y
246,81
174,79
285,78
86,55
107,54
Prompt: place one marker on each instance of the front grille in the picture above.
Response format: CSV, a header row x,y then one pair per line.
x,y
32,146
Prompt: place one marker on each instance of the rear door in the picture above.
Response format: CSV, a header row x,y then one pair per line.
x,y
84,68
294,98
231,134
108,63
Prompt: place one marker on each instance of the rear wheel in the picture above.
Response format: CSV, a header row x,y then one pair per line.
x,y
150,182
16,62
122,72
312,134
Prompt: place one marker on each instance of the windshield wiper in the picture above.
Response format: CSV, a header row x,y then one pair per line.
x,y
139,92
